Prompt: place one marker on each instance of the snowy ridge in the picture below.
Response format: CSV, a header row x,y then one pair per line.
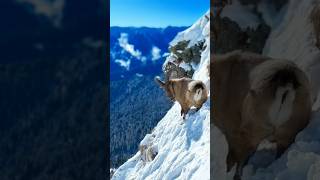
x,y
183,146
197,32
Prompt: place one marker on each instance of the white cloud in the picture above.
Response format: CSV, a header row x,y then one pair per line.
x,y
155,53
123,63
139,75
52,9
124,43
143,59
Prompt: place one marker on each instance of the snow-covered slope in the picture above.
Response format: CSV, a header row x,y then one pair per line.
x,y
183,146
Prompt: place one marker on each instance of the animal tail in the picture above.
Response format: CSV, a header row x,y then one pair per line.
x,y
198,94
197,87
283,78
278,73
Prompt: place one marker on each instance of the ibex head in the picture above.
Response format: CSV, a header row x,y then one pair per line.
x,y
167,86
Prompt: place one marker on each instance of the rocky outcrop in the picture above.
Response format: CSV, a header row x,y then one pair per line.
x,y
228,36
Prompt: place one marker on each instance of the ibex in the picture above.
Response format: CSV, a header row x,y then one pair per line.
x,y
186,91
257,99
148,153
148,150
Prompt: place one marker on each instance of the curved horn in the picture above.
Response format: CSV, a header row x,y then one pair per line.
x,y
157,80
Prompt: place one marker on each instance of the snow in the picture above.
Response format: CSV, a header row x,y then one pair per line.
x,y
268,12
183,145
185,66
146,140
219,155
165,54
195,33
241,14
183,149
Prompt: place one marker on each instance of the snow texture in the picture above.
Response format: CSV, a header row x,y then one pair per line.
x,y
241,14
195,33
146,140
185,66
183,146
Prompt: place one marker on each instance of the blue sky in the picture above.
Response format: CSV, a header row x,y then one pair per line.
x,y
156,13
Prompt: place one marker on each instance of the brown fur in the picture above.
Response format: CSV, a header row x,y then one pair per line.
x,y
244,87
183,90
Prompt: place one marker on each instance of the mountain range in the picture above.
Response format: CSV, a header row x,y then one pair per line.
x,y
139,50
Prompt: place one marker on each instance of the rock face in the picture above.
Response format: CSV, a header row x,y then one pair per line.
x,y
277,3
173,71
228,36
182,57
